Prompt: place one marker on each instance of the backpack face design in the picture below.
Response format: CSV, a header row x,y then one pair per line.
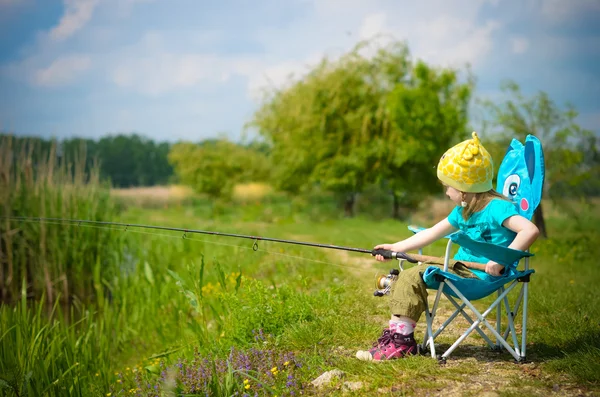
x,y
521,175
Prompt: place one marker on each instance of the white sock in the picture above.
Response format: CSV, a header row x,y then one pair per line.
x,y
402,325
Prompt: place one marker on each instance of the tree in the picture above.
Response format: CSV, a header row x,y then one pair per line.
x,y
427,113
214,167
321,127
562,138
362,119
125,160
133,160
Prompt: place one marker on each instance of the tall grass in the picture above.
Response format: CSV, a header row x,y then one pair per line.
x,y
40,354
53,258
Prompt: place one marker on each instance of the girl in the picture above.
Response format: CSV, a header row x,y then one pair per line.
x,y
466,171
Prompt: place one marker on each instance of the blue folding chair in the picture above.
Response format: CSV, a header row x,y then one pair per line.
x,y
520,178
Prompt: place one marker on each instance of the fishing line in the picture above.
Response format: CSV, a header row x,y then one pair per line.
x,y
131,228
195,231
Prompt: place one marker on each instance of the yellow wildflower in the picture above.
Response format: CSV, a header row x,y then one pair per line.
x,y
109,394
119,381
246,381
286,363
247,387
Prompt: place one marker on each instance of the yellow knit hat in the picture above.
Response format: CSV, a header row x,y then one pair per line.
x,y
467,167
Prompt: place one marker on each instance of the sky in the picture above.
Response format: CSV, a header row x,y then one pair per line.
x,y
194,69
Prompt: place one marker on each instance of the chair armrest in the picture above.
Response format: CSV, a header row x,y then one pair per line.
x,y
502,255
417,229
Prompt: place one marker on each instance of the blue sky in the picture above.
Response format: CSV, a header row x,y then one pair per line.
x,y
192,69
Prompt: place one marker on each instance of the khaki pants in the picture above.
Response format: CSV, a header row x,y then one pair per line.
x,y
409,293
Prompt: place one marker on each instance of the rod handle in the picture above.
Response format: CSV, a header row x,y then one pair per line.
x,y
388,254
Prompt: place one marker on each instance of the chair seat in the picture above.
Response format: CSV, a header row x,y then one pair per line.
x,y
471,288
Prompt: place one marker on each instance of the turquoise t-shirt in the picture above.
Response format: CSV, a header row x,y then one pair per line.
x,y
486,226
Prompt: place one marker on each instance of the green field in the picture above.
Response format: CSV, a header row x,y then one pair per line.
x,y
208,314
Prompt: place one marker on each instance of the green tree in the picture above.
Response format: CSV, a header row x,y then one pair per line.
x,y
214,167
565,143
125,160
133,160
362,119
428,113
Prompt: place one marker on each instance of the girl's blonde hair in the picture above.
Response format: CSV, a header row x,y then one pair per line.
x,y
479,201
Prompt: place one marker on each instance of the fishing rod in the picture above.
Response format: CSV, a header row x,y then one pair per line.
x,y
383,283
387,254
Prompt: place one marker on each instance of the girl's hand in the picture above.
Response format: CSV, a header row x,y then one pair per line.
x,y
493,269
389,247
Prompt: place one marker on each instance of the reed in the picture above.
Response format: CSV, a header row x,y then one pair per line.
x,y
35,182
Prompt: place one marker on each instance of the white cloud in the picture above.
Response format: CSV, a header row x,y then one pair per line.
x,y
62,71
447,33
278,75
77,14
453,41
373,25
519,45
448,39
161,72
186,58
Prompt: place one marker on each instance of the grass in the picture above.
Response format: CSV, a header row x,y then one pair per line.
x,y
156,314
317,306
47,186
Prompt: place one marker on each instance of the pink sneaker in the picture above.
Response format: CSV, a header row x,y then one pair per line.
x,y
384,340
397,346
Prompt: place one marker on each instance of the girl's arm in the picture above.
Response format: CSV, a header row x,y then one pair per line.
x,y
419,240
527,233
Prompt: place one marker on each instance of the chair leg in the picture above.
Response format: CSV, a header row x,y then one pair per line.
x,y
521,299
480,319
426,337
511,326
448,320
524,331
469,319
429,337
499,319
515,310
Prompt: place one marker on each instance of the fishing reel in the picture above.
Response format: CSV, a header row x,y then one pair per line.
x,y
384,283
